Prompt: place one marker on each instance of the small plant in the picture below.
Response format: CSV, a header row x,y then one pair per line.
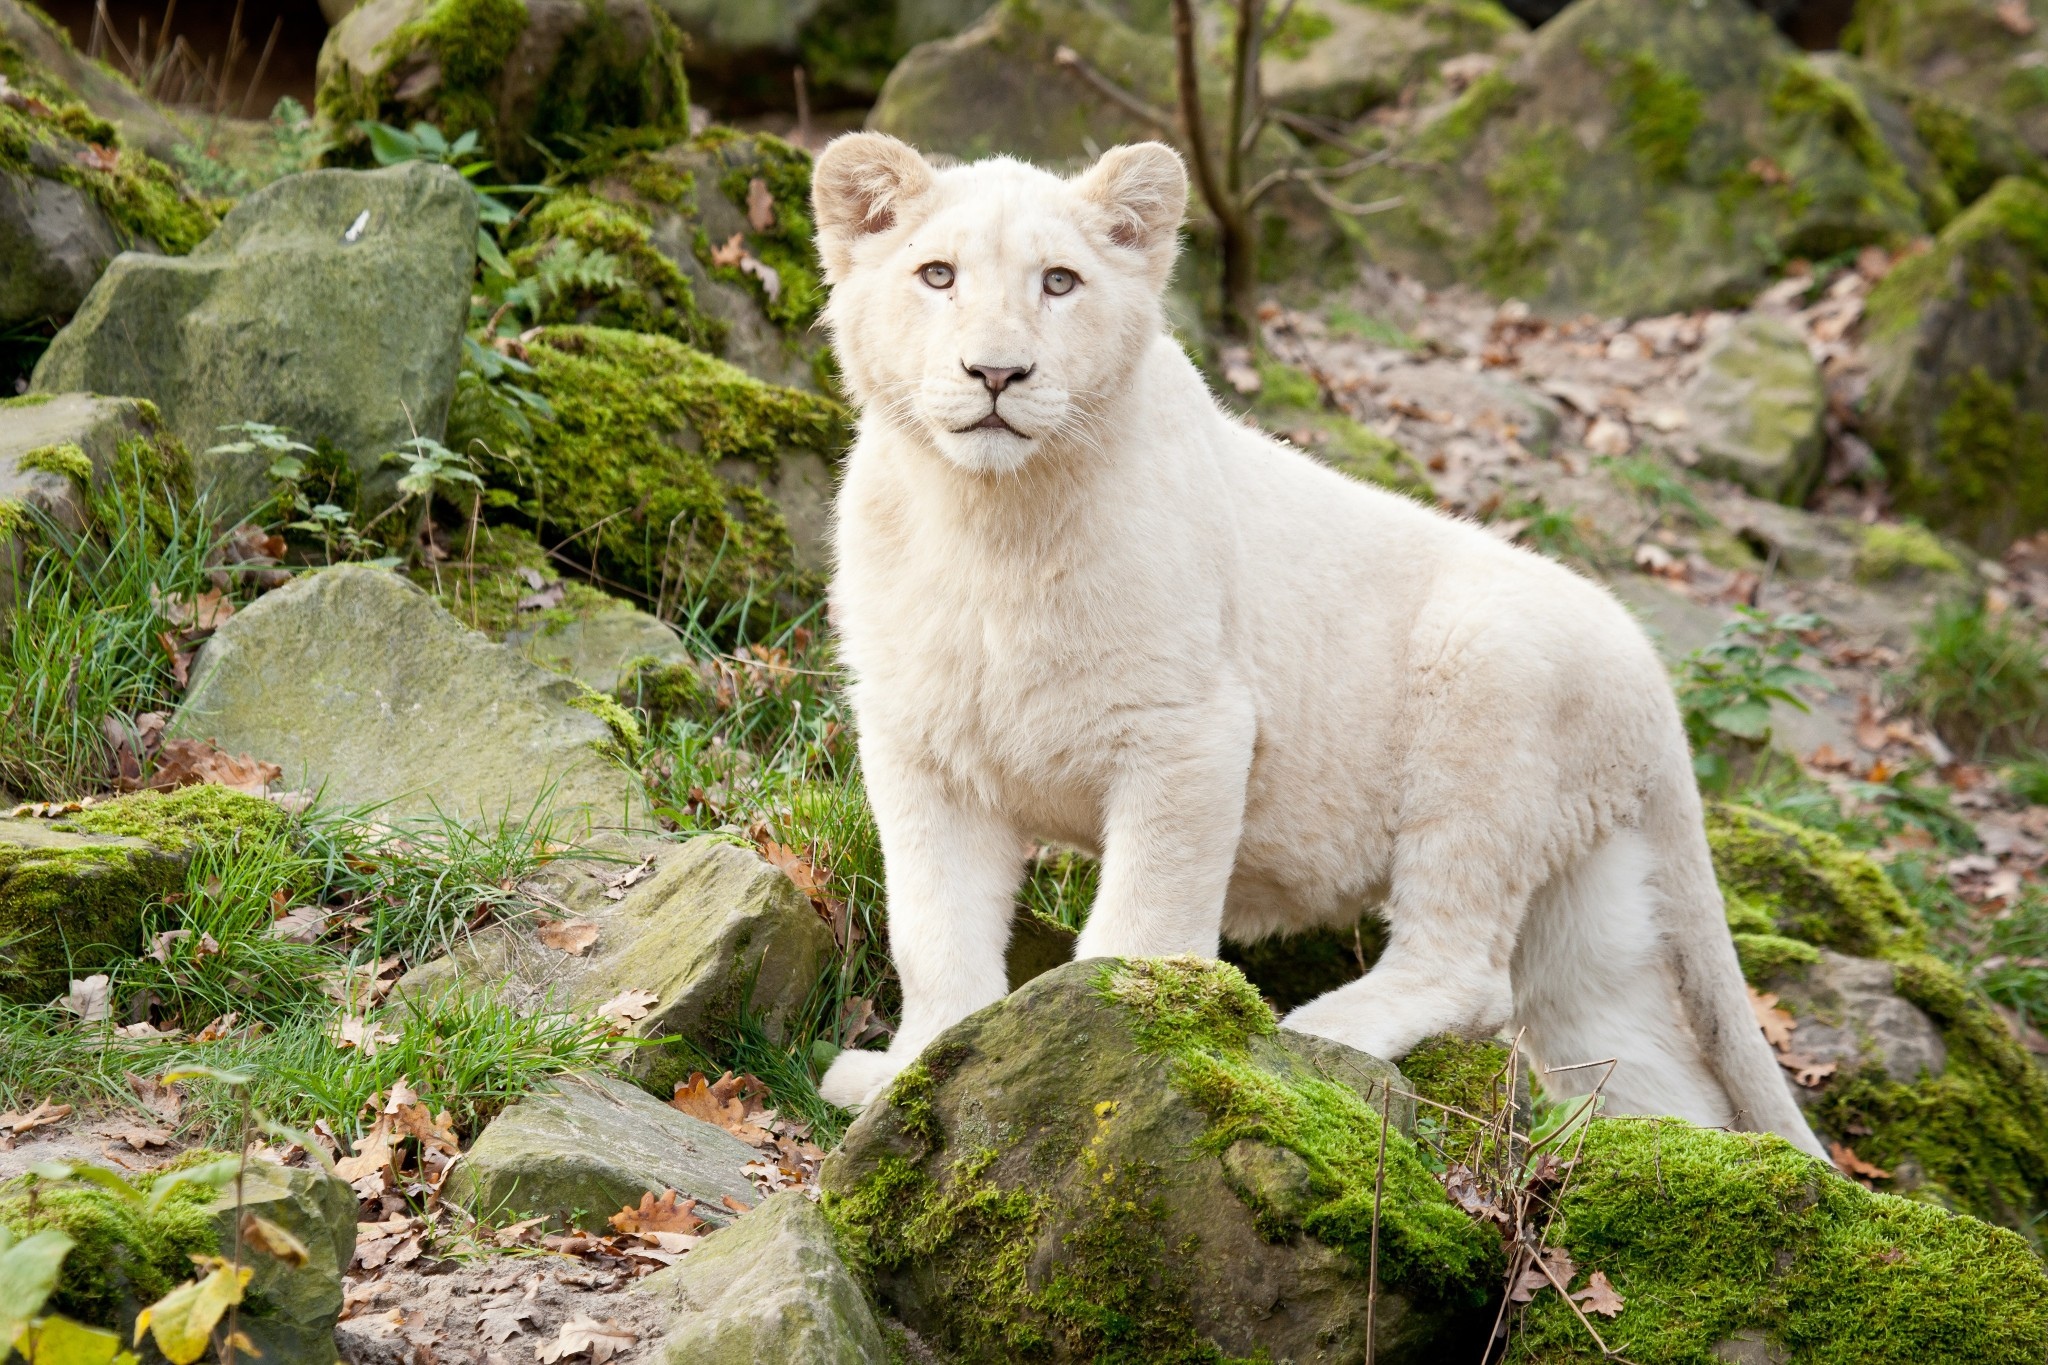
x,y
1661,487
288,143
2028,778
424,142
1979,679
1554,531
1726,689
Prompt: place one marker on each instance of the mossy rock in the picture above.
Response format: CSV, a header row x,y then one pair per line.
x,y
578,1148
713,930
663,212
360,685
1738,1247
124,1257
1642,158
38,58
1972,1136
1965,52
741,51
663,466
1340,58
1131,1161
72,904
291,1310
1755,410
528,75
1958,346
331,302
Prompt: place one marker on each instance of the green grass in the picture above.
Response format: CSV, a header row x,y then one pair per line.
x,y
1980,680
1660,486
81,643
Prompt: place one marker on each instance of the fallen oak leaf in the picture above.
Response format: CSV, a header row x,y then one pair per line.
x,y
571,936
1599,1296
1848,1163
736,1205
1776,1023
92,999
1806,1071
584,1334
501,1324
730,252
667,1212
626,1007
42,1116
1556,1261
349,1031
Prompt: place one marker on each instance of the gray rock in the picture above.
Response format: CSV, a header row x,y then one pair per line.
x,y
711,930
357,683
1849,1013
1362,55
72,901
291,1310
581,1147
101,428
106,94
54,241
1755,410
769,1288
331,302
595,649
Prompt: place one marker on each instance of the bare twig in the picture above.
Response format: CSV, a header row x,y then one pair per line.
x,y
262,65
1346,206
1126,100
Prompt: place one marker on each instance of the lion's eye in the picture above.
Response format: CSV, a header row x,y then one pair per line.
x,y
1059,281
938,275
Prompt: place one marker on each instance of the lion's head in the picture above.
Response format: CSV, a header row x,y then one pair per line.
x,y
992,309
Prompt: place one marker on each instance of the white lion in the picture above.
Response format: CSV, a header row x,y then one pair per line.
x,y
1082,604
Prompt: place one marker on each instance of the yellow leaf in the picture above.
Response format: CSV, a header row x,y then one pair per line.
x,y
60,1341
183,1320
267,1237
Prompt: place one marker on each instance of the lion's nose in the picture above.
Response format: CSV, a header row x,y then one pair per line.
x,y
999,377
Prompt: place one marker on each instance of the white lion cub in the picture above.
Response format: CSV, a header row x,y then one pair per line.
x,y
1082,604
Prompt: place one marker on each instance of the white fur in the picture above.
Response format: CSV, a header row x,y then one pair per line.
x,y
1267,696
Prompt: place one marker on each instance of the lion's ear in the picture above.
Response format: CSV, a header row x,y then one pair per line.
x,y
1143,190
862,184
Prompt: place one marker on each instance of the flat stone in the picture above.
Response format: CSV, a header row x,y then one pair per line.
x,y
1850,1012
97,426
332,303
712,931
1755,410
359,684
769,1288
581,1147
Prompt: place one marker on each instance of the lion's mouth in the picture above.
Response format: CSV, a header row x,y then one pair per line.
x,y
993,422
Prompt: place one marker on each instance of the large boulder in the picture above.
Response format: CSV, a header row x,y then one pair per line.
x,y
360,685
769,1288
291,1309
521,72
1958,352
1641,158
1340,58
742,51
1754,410
711,931
332,303
1130,1158
74,889
1989,58
669,467
579,1148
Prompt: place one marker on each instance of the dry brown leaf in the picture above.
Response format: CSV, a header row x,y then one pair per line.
x,y
1806,1071
193,762
1599,1296
627,1006
501,1324
92,999
98,158
667,1212
1848,1163
272,1240
2015,18
1776,1023
373,1155
218,1030
160,947
1532,1279
736,1205
164,1101
584,1334
138,1138
737,1104
42,1116
348,1031
305,924
731,251
760,205
571,936
771,280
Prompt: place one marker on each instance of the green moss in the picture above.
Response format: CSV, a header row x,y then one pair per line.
x,y
644,291
667,691
1893,549
1287,386
71,911
1201,1016
66,461
1300,30
1763,956
1528,185
1707,1235
625,729
204,814
787,245
1447,137
1661,111
124,1257
628,471
1988,449
1464,1074
470,40
26,400
1809,884
143,197
13,513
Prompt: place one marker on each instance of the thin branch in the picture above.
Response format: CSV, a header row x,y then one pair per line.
x,y
1346,206
1189,81
1302,123
1130,102
1274,179
1279,20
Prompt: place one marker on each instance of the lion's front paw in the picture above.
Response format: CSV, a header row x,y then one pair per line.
x,y
855,1078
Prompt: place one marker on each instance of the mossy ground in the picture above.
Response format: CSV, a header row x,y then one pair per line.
x,y
1974,1138
180,819
626,479
1895,549
124,1257
66,912
1707,1235
644,291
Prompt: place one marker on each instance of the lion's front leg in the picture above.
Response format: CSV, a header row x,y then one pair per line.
x,y
1171,829
952,868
